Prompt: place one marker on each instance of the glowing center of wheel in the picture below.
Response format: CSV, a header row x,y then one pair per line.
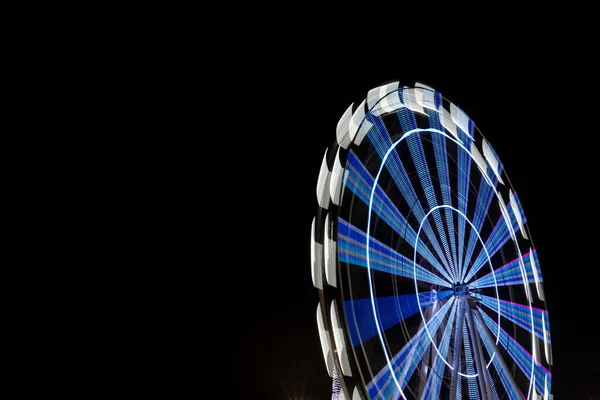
x,y
461,287
460,290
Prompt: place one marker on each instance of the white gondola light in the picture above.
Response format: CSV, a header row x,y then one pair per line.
x,y
323,184
409,95
517,212
491,159
538,284
335,182
447,123
343,129
359,126
460,119
316,258
330,249
425,96
325,346
340,344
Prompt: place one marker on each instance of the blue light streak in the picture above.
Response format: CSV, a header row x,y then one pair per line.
x,y
390,311
484,199
408,123
510,274
439,149
415,278
498,365
405,361
360,182
464,170
520,315
352,244
383,143
521,356
471,381
434,381
499,236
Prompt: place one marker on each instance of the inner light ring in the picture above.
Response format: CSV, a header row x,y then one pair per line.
x,y
417,290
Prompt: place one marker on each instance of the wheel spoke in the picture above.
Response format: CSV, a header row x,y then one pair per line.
x,y
504,371
383,143
408,123
510,274
484,199
352,249
521,356
360,182
390,385
464,170
521,315
436,372
497,239
390,311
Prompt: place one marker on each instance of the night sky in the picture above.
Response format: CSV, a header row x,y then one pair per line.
x,y
540,112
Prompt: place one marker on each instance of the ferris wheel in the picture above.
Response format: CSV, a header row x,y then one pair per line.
x,y
429,282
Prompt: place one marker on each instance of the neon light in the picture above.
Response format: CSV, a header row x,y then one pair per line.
x,y
491,359
512,234
439,149
390,311
384,158
510,231
434,383
352,249
387,101
329,247
361,183
491,382
492,159
503,374
402,365
335,180
458,383
464,172
381,93
510,273
517,313
517,211
499,236
383,143
323,184
343,128
484,199
415,278
316,258
462,120
354,123
522,357
546,351
324,337
418,155
471,382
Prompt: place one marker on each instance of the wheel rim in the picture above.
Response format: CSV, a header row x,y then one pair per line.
x,y
428,279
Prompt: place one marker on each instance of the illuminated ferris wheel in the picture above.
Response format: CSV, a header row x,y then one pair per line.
x,y
429,282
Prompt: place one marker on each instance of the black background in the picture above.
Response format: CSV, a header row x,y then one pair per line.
x,y
535,101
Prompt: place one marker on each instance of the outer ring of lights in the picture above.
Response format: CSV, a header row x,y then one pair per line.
x,y
509,225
